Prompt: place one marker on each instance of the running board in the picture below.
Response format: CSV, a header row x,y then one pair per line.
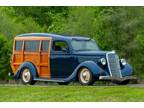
x,y
52,80
117,78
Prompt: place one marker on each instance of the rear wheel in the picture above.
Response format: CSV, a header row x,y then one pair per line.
x,y
85,77
26,77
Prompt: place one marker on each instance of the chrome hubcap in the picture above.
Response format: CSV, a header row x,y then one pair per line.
x,y
85,75
26,75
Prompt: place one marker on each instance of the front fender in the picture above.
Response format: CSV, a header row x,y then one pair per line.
x,y
127,70
92,66
28,65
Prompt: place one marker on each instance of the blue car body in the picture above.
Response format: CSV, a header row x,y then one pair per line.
x,y
65,66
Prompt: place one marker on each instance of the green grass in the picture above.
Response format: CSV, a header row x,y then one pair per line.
x,y
71,93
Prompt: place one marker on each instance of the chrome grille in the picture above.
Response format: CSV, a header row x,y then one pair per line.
x,y
113,65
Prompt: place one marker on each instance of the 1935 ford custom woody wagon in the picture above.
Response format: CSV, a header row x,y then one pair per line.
x,y
62,59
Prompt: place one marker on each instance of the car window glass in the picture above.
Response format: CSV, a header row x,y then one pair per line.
x,y
84,45
60,46
18,45
45,45
32,45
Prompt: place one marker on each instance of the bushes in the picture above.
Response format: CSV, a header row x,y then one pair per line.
x,y
5,51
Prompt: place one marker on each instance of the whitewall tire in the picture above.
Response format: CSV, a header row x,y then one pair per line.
x,y
26,76
85,77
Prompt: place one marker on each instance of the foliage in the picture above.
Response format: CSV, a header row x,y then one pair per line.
x,y
4,57
44,16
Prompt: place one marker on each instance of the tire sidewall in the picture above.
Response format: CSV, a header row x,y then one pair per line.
x,y
90,82
31,77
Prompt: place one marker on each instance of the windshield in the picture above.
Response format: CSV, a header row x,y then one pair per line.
x,y
84,45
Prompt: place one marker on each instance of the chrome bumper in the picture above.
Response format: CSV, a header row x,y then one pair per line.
x,y
106,78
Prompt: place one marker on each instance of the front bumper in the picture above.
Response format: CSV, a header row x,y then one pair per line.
x,y
10,74
108,78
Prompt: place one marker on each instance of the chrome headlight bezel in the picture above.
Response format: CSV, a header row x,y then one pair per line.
x,y
123,62
103,61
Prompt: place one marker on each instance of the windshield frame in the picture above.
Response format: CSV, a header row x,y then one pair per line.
x,y
92,40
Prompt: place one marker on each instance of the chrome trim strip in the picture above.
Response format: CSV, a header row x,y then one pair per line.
x,y
101,77
43,79
120,69
108,61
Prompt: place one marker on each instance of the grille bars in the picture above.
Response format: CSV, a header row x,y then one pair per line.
x,y
113,64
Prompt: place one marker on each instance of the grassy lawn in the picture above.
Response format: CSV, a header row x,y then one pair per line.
x,y
71,93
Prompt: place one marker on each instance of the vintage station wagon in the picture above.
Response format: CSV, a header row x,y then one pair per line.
x,y
62,59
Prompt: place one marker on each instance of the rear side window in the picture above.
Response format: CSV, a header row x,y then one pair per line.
x,y
18,45
45,45
32,45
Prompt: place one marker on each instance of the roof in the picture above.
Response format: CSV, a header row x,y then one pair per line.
x,y
55,36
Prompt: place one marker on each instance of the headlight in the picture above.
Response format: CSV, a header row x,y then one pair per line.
x,y
123,62
103,61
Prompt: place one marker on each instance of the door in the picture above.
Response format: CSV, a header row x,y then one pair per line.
x,y
62,62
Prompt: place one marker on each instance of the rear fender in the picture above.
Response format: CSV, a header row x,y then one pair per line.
x,y
28,65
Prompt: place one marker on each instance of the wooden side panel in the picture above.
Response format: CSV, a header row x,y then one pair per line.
x,y
40,59
44,65
31,57
17,60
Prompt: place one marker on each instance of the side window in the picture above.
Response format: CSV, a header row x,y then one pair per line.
x,y
45,45
60,46
18,45
32,45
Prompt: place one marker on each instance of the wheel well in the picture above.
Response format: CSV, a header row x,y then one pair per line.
x,y
78,71
35,68
20,71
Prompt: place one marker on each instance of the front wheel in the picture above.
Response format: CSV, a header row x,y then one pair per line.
x,y
26,77
85,77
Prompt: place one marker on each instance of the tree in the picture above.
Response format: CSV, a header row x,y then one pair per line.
x,y
5,50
